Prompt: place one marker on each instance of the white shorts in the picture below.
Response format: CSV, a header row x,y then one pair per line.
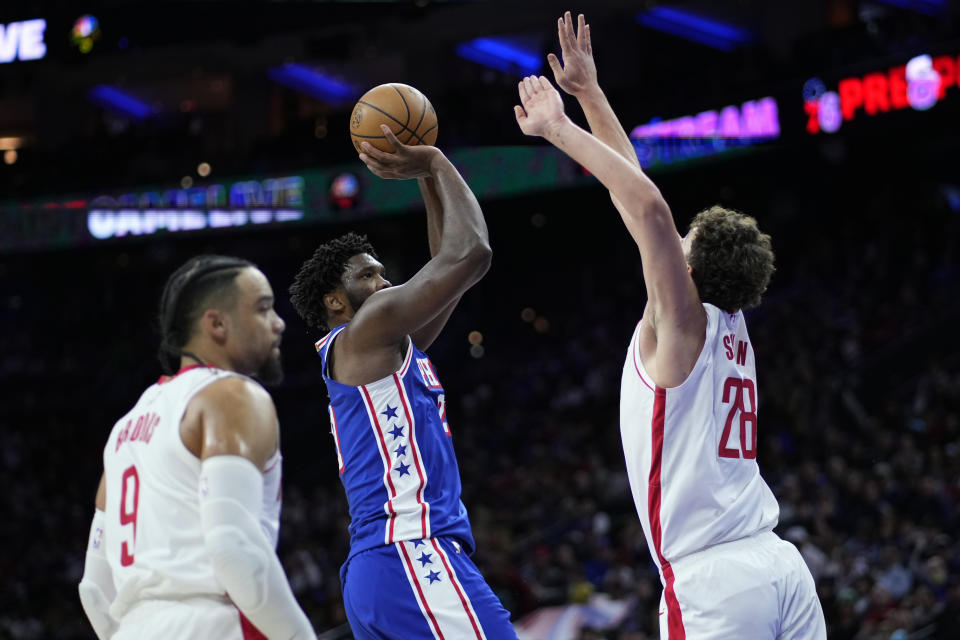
x,y
186,619
757,588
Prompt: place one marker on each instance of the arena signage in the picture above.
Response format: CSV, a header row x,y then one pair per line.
x,y
706,133
22,40
213,206
753,120
920,84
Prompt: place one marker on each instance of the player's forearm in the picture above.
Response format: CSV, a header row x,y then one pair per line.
x,y
463,234
243,559
431,202
96,586
604,123
626,182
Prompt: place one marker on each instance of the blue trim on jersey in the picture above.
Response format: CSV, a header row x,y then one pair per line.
x,y
397,461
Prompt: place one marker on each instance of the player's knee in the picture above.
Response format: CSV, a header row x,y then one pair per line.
x,y
240,565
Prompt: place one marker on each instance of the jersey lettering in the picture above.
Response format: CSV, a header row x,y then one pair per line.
x,y
442,408
141,430
429,375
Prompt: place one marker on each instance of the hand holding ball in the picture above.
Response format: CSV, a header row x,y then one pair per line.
x,y
406,111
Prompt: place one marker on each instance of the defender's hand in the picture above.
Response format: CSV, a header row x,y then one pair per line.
x,y
403,164
542,109
578,73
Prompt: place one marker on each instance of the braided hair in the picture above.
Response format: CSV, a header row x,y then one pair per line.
x,y
323,273
185,295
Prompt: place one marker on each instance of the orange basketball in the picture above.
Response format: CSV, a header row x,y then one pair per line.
x,y
405,110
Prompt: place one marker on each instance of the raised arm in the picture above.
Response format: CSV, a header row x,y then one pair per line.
x,y
425,336
577,75
461,259
673,309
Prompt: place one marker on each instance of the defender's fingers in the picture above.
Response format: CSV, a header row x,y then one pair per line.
x,y
581,28
568,34
519,113
587,45
554,63
543,83
524,96
528,84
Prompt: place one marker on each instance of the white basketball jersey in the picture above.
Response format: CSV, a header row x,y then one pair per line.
x,y
691,450
152,533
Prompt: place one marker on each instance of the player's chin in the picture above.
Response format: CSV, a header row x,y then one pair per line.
x,y
272,371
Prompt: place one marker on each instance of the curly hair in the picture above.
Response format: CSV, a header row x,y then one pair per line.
x,y
323,273
732,259
201,282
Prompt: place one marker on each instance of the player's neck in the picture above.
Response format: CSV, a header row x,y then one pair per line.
x,y
197,356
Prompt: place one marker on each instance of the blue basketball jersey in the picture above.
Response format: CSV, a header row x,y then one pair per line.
x,y
396,456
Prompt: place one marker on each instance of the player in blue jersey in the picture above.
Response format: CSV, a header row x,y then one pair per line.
x,y
408,573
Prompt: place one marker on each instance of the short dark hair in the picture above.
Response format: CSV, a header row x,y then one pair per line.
x,y
186,295
732,259
323,273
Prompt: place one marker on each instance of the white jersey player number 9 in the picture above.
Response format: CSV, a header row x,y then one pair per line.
x,y
129,501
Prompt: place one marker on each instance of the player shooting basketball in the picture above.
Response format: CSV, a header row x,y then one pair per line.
x,y
688,407
408,573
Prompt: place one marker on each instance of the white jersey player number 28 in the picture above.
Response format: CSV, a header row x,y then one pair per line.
x,y
741,395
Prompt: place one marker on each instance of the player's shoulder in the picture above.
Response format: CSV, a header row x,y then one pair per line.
x,y
235,391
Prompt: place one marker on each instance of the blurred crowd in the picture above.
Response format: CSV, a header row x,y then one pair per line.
x,y
859,377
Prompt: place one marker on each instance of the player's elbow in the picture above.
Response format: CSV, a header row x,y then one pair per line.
x,y
480,256
239,564
471,261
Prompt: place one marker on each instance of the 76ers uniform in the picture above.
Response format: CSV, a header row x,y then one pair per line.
x,y
706,512
166,586
408,574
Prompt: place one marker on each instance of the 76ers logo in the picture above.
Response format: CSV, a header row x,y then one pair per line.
x,y
429,375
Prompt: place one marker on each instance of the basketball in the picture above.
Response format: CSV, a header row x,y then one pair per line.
x,y
404,109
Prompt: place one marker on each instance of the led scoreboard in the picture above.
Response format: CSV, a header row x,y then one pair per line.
x,y
920,84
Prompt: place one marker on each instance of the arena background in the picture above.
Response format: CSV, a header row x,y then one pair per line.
x,y
108,111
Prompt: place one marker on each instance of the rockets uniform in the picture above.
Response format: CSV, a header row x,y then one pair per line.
x,y
163,574
707,514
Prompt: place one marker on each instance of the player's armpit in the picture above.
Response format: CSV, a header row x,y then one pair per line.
x,y
96,586
236,417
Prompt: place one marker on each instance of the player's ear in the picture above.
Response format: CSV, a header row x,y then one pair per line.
x,y
214,323
335,301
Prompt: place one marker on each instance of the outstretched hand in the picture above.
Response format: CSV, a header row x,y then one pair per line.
x,y
403,164
578,72
542,108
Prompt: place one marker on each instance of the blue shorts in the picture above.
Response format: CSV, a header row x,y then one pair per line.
x,y
427,589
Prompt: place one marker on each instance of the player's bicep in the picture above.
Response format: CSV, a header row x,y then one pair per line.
x,y
237,418
390,314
